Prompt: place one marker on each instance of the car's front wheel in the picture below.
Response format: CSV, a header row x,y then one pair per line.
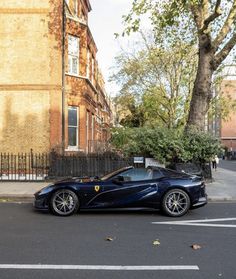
x,y
64,202
176,203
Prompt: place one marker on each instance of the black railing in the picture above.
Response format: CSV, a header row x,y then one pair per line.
x,y
24,167
38,167
85,165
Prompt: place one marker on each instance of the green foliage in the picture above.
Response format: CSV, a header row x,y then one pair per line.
x,y
156,84
209,25
166,145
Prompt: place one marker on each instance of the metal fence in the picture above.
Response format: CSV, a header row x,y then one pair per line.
x,y
24,167
85,165
38,167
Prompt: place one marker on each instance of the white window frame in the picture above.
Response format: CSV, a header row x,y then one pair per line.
x,y
73,55
93,121
88,63
74,147
87,130
93,70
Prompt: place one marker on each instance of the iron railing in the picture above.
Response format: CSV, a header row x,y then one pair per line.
x,y
85,165
23,166
38,167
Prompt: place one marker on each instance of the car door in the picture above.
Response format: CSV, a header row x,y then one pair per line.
x,y
132,188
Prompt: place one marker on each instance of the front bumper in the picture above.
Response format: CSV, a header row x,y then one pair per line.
x,y
40,204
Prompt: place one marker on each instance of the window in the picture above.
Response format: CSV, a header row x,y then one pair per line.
x,y
73,126
93,63
88,64
87,130
92,127
136,174
73,55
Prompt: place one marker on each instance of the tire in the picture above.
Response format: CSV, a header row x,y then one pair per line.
x,y
64,202
176,203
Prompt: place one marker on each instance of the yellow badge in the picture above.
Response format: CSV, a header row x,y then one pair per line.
x,y
97,188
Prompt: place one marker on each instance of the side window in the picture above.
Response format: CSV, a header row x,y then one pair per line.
x,y
136,174
157,174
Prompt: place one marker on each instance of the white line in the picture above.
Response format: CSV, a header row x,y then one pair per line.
x,y
195,224
199,223
205,220
99,267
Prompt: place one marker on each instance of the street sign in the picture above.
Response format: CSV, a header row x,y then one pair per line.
x,y
138,160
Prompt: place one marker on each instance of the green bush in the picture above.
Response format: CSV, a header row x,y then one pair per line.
x,y
166,145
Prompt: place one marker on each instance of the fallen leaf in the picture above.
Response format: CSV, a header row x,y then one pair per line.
x,y
109,239
156,242
196,246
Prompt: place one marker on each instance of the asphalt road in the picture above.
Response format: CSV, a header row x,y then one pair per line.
x,y
33,238
228,165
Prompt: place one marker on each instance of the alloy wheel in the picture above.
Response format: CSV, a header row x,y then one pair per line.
x,y
64,202
176,203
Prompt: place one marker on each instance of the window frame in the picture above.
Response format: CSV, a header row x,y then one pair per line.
x,y
73,56
72,126
88,70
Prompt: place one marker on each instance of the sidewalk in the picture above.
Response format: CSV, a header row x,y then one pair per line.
x,y
223,187
20,190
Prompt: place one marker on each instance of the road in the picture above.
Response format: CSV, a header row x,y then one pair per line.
x,y
33,238
228,165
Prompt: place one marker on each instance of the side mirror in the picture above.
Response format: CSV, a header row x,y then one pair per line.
x,y
118,180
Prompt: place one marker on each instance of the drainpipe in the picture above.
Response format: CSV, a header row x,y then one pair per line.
x,y
63,75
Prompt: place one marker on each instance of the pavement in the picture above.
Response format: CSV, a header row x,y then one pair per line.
x,y
221,188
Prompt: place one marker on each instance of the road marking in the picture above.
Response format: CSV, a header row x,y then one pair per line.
x,y
199,223
99,267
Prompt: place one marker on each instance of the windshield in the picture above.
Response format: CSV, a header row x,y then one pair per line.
x,y
110,175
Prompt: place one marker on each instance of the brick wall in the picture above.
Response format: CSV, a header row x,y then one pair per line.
x,y
30,75
228,128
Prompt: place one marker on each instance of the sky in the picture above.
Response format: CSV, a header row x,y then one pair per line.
x,y
105,19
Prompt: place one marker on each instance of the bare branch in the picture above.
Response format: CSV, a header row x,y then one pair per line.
x,y
227,27
217,12
224,52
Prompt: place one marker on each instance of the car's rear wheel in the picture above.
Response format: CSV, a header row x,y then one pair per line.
x,y
64,202
176,203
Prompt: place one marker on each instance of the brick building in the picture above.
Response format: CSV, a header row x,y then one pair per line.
x,y
225,130
228,128
51,90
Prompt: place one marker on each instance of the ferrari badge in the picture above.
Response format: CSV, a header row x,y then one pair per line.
x,y
97,188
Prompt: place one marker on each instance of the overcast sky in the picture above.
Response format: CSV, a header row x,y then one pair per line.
x,y
105,19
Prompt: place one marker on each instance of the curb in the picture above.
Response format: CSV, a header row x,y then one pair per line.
x,y
30,198
221,199
16,198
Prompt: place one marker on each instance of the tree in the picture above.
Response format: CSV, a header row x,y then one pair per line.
x,y
156,84
210,23
166,145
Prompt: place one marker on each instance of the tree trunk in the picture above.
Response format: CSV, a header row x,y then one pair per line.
x,y
202,91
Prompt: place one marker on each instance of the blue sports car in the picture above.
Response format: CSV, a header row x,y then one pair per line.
x,y
153,187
